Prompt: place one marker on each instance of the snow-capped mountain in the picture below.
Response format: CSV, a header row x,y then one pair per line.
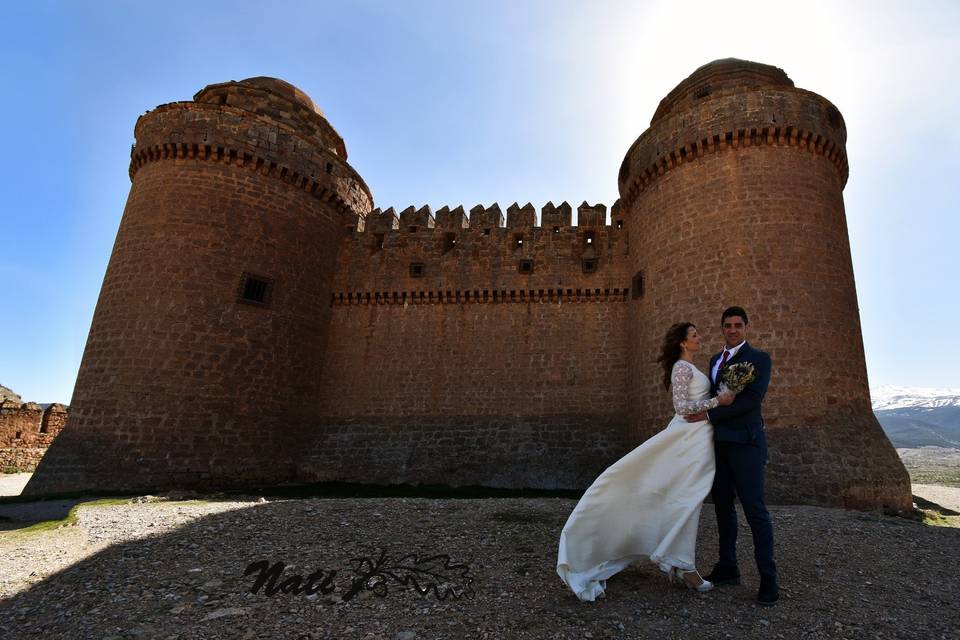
x,y
890,397
918,417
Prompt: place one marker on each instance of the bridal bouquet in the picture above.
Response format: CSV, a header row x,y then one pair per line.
x,y
736,376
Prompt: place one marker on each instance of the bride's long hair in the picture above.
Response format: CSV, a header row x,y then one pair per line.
x,y
670,349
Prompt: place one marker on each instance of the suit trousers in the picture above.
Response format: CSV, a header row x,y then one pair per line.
x,y
740,473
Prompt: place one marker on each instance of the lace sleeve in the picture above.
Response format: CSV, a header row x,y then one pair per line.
x,y
680,383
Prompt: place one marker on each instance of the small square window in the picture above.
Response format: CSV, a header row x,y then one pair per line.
x,y
377,242
486,232
255,290
556,229
525,266
588,238
518,240
413,229
590,265
416,269
619,224
449,241
636,285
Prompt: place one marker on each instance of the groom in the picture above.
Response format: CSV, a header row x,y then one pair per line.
x,y
740,444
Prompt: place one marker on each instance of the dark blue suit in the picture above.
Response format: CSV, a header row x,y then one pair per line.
x,y
740,443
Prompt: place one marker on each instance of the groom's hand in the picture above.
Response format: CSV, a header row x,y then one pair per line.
x,y
696,417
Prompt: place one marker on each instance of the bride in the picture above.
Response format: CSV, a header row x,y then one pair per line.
x,y
647,504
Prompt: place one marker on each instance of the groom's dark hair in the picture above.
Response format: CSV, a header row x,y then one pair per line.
x,y
734,311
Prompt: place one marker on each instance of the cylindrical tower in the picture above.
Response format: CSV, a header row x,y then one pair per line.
x,y
734,197
202,366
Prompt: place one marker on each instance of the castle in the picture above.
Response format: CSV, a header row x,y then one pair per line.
x,y
261,322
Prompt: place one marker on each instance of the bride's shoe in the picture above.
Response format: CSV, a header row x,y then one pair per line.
x,y
692,580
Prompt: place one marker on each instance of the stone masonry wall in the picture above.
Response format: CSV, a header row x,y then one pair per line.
x,y
756,219
505,393
455,347
476,253
223,384
184,383
26,430
474,370
792,274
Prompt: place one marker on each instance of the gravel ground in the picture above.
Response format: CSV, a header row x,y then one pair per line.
x,y
11,484
948,497
176,570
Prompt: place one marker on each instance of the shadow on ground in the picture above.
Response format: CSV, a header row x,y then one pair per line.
x,y
844,574
18,512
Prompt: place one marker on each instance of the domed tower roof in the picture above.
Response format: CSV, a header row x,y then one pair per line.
x,y
722,102
279,100
281,88
720,75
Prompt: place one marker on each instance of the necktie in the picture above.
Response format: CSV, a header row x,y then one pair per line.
x,y
723,361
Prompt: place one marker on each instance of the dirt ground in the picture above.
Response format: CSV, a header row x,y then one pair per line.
x,y
948,497
167,569
11,484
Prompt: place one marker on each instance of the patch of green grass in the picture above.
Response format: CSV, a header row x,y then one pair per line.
x,y
67,495
942,477
11,469
936,515
926,467
332,490
934,519
71,518
356,490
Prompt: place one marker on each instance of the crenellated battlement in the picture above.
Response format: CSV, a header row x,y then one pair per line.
x,y
485,219
387,254
552,216
448,218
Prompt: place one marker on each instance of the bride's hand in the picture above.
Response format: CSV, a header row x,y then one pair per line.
x,y
726,398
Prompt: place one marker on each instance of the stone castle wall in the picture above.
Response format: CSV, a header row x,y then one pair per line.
x,y
26,431
467,347
182,382
464,351
745,207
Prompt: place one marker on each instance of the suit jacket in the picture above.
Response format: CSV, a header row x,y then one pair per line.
x,y
742,421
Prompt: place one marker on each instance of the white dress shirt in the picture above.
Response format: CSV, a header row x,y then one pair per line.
x,y
716,366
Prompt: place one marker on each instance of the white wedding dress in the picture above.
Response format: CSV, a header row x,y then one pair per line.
x,y
647,504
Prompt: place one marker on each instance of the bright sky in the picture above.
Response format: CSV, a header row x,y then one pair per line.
x,y
466,103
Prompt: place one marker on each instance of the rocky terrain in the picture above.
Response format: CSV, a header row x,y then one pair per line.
x,y
165,569
932,465
8,394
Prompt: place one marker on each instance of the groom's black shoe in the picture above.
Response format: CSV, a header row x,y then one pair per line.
x,y
723,575
769,592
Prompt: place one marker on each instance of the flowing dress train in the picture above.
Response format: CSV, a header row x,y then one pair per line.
x,y
647,504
